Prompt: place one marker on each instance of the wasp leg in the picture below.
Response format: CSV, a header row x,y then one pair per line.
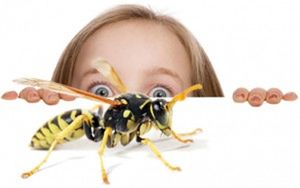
x,y
107,133
178,136
196,131
158,155
60,136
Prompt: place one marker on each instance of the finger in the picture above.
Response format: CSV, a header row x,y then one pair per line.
x,y
256,97
66,97
30,94
10,95
49,97
41,92
274,96
290,96
240,95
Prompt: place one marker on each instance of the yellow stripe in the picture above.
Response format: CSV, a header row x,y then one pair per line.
x,y
151,110
62,124
34,139
143,105
46,132
131,125
44,144
124,101
126,113
73,114
144,128
53,128
124,139
159,125
35,143
40,136
77,134
50,139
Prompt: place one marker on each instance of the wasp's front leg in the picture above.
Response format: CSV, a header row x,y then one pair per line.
x,y
154,149
178,136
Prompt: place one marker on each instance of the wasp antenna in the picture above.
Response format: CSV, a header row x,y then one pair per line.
x,y
181,96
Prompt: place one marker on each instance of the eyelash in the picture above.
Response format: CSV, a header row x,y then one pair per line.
x,y
94,83
170,89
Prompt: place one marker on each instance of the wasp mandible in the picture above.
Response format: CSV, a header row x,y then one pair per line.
x,y
129,116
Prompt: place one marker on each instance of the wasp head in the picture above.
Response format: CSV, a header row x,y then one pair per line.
x,y
161,114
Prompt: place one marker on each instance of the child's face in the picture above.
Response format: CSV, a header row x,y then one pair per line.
x,y
147,56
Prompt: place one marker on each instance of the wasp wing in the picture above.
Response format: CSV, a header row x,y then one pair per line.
x,y
61,88
110,74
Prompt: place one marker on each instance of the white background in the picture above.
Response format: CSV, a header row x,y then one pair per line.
x,y
250,44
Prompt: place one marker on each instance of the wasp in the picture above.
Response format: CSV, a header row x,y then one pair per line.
x,y
128,117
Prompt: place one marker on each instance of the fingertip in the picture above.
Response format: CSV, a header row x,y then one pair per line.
x,y
290,96
240,95
33,96
50,98
23,93
256,97
52,101
10,95
29,94
66,97
274,96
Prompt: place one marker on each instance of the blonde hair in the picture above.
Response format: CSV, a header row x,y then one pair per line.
x,y
202,70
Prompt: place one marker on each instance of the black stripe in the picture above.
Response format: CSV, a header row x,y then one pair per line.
x,y
66,139
47,127
40,131
34,136
54,121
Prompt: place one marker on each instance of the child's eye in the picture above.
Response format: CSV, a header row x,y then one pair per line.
x,y
160,92
102,90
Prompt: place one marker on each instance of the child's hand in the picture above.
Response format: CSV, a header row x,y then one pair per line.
x,y
257,96
33,95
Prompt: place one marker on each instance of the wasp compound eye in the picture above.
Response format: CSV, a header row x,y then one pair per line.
x,y
159,105
159,113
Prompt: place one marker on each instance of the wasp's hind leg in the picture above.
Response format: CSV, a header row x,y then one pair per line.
x,y
77,123
154,149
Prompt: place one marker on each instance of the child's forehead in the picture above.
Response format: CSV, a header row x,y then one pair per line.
x,y
136,28
133,36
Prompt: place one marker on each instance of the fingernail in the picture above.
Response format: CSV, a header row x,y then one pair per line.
x,y
290,96
10,95
33,95
274,96
255,100
52,97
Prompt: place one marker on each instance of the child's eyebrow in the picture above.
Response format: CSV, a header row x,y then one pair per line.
x,y
90,71
164,71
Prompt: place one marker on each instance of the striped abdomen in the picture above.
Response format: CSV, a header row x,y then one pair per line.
x,y
44,136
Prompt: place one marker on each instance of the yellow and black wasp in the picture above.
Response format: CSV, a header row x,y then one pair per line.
x,y
129,116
